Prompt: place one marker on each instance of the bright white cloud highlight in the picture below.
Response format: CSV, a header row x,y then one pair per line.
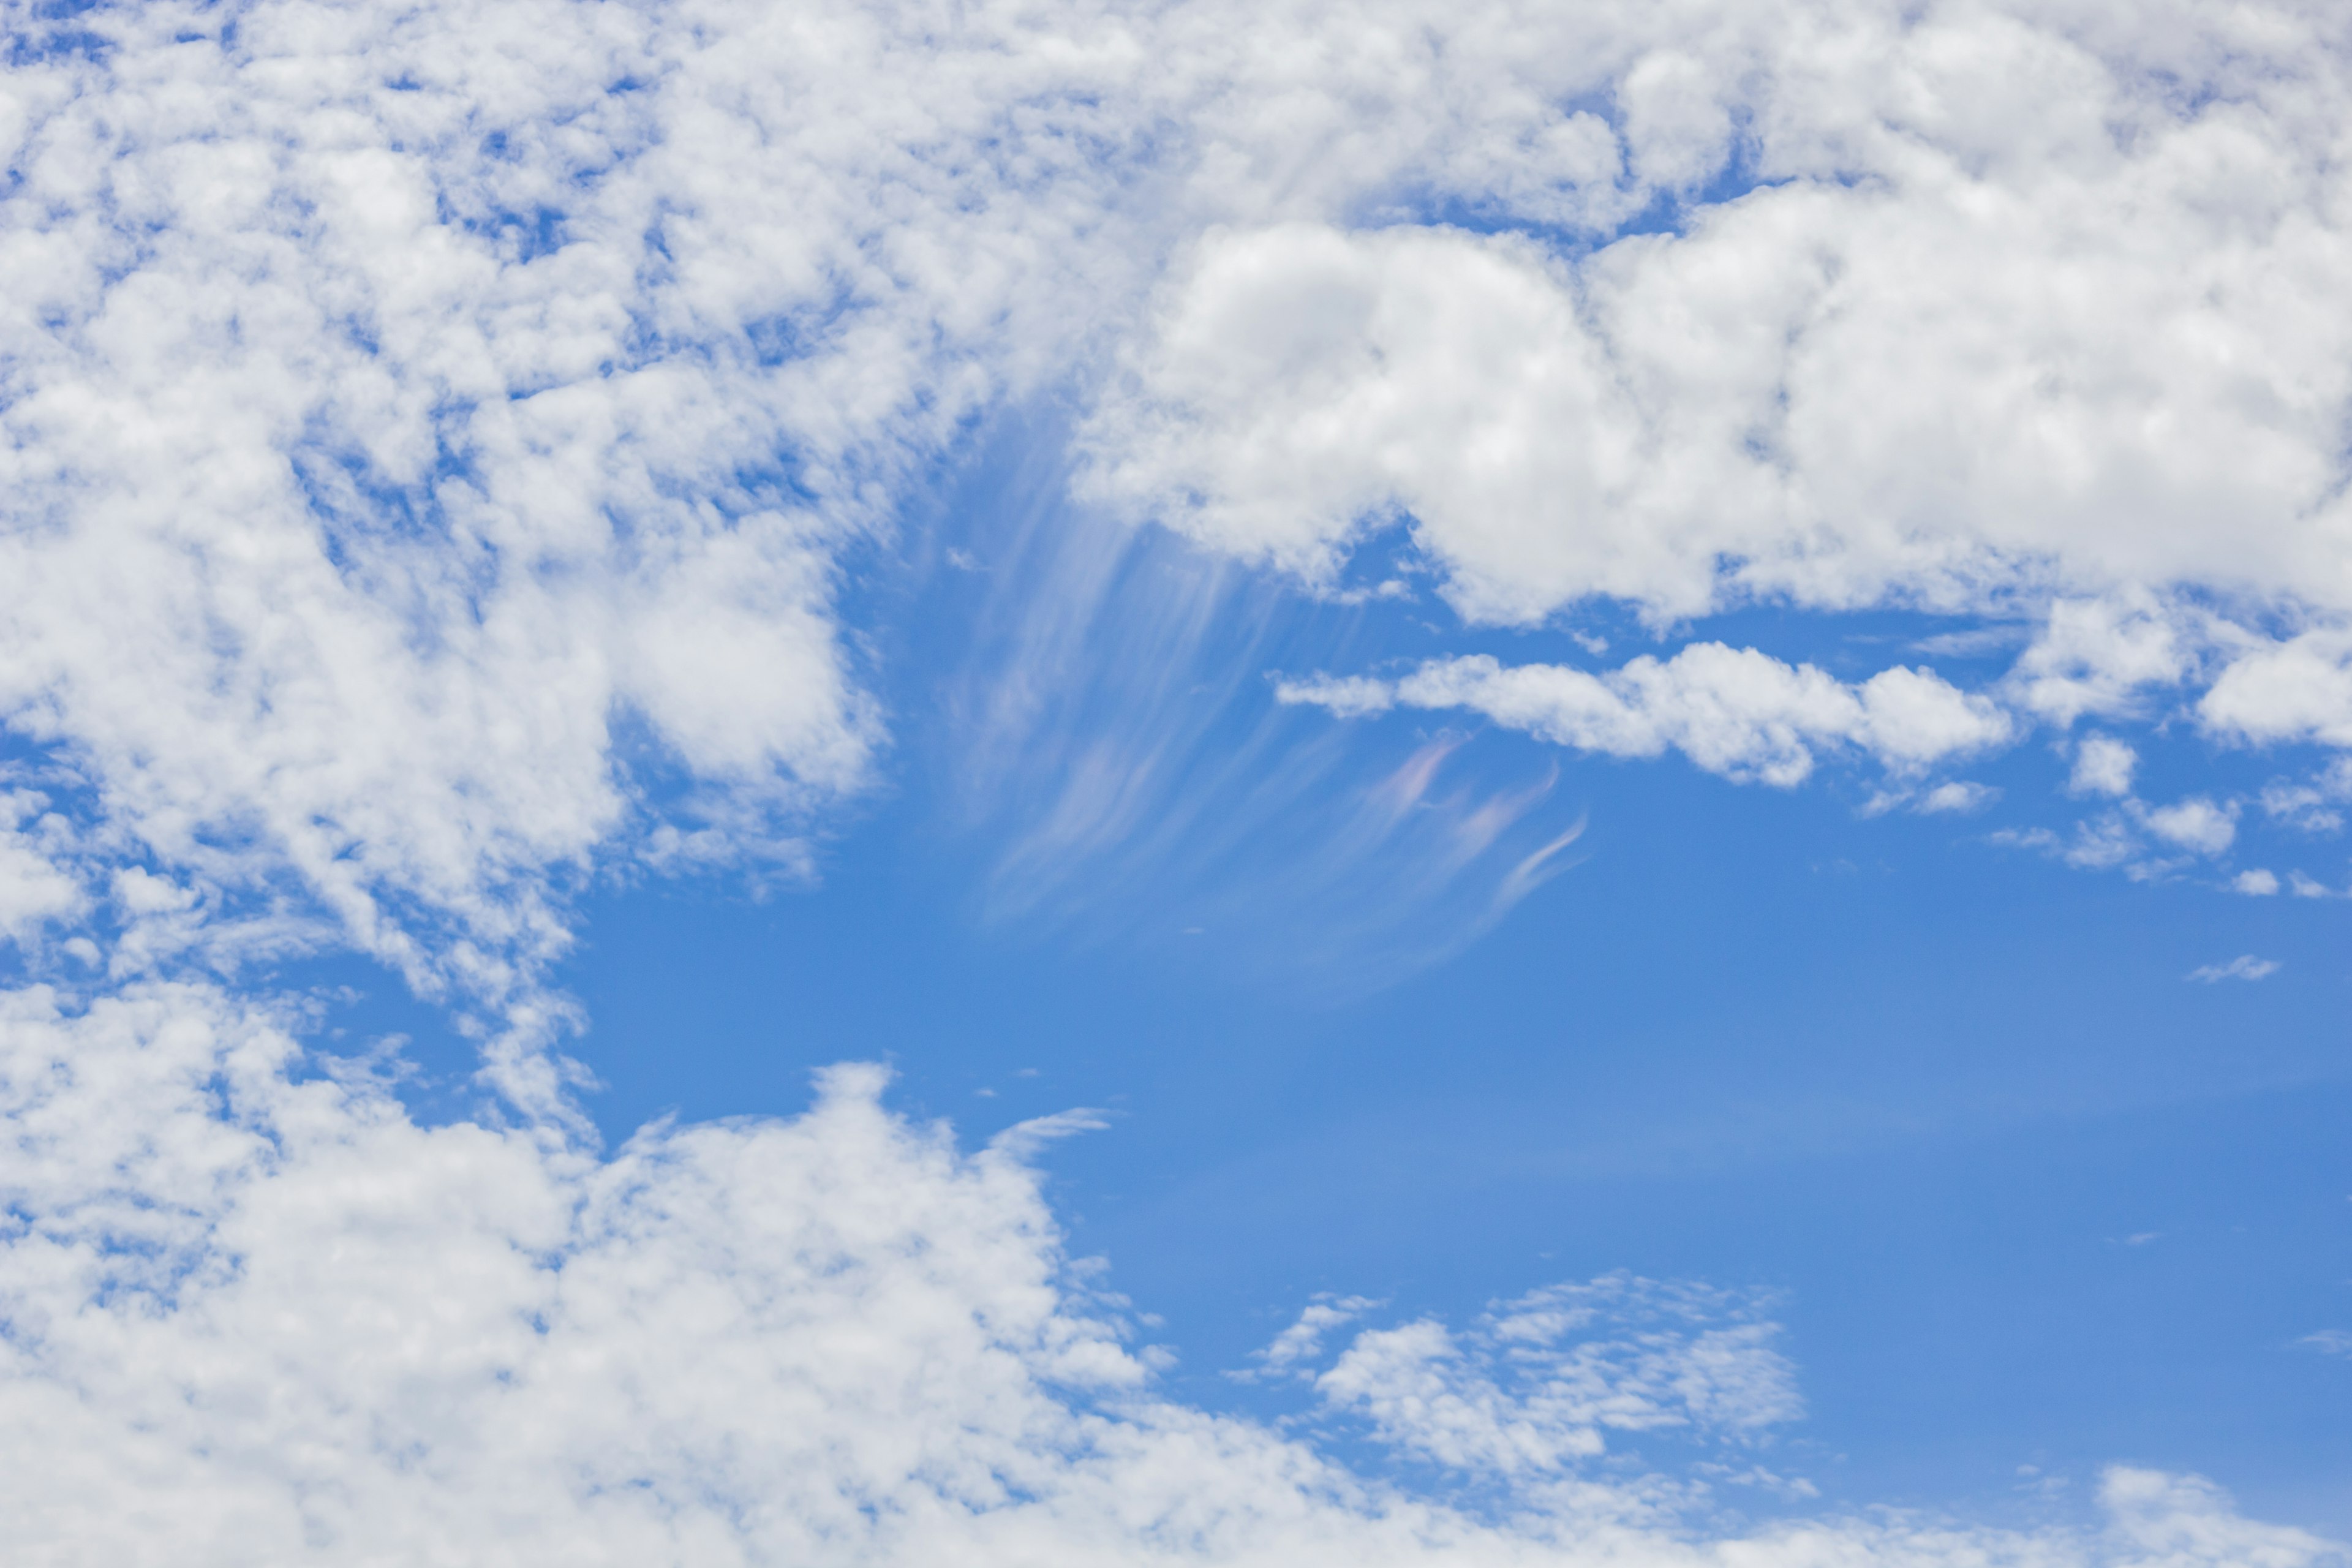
x,y
1625,428
1734,711
2013,315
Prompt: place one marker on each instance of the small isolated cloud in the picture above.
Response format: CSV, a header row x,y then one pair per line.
x,y
2332,1341
2196,824
2245,966
2103,765
1959,797
2258,883
2308,886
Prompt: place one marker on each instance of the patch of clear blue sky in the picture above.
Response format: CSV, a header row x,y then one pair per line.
x,y
1931,1088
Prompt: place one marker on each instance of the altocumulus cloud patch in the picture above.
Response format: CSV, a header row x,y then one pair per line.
x,y
439,442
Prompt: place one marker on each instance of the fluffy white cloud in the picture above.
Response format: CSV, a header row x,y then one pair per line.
x,y
252,1315
2300,690
2199,824
1959,796
1685,419
1731,710
2103,765
2022,310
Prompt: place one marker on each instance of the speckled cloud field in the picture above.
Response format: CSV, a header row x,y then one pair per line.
x,y
447,450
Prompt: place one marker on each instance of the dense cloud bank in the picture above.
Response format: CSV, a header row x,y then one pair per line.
x,y
438,440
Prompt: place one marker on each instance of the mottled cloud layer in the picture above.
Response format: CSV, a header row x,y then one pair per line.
x,y
437,443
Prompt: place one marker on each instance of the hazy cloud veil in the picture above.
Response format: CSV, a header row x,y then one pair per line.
x,y
437,441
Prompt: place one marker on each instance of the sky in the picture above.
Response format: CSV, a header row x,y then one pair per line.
x,y
1037,782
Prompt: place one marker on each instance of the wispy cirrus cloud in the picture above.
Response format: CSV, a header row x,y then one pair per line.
x,y
2245,966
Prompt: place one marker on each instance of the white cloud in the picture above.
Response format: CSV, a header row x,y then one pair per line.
x,y
2103,765
1539,1382
34,889
1686,418
2299,690
308,1329
410,413
2258,882
1794,397
1734,711
1959,796
2246,966
2299,806
2105,654
2158,1520
2311,803
2197,823
1302,1341
424,428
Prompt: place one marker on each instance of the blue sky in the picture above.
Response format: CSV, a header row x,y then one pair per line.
x,y
1375,784
2029,1195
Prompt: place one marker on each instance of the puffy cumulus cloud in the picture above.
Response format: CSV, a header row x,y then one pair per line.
x,y
413,412
2103,765
2299,690
2196,824
252,1313
1734,711
1988,307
